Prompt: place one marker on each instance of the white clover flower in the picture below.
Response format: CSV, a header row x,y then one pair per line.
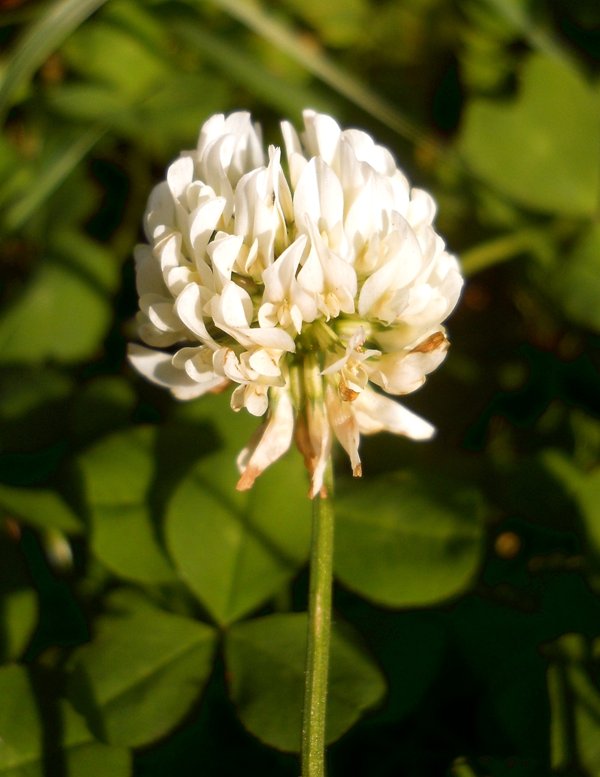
x,y
302,289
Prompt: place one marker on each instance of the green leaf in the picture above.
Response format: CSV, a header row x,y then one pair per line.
x,y
243,67
18,602
43,509
39,40
53,172
319,64
19,616
410,648
527,152
33,406
518,15
236,549
118,475
12,174
174,111
64,311
339,22
27,713
495,767
584,488
102,405
407,542
265,665
576,280
233,429
171,108
141,674
135,66
574,705
461,768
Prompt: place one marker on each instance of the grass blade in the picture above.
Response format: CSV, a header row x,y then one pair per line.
x,y
255,18
51,178
243,69
40,40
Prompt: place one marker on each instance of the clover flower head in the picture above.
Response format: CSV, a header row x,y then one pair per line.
x,y
311,284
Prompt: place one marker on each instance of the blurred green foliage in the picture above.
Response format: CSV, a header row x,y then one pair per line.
x,y
150,616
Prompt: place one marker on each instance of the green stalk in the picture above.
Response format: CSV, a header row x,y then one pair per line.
x,y
319,633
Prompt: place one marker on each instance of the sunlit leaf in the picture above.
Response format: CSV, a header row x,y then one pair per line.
x,y
576,280
41,508
118,475
265,663
28,711
18,602
141,673
64,311
521,148
236,549
407,541
133,67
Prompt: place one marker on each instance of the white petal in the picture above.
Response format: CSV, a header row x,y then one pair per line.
x,y
256,399
203,223
318,197
177,279
160,211
366,150
152,336
162,315
224,252
189,310
345,427
364,216
180,175
421,209
234,306
264,363
271,441
376,413
269,337
157,367
319,430
377,296
226,361
279,276
376,287
311,275
148,274
322,135
402,372
290,139
327,274
212,128
198,364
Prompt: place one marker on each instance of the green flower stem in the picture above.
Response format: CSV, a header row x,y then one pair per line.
x,y
319,633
